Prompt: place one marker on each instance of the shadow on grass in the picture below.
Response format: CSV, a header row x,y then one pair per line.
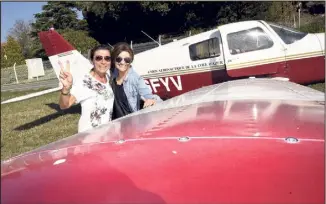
x,y
73,110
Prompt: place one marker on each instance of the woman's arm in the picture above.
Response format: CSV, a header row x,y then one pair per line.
x,y
66,100
145,91
146,94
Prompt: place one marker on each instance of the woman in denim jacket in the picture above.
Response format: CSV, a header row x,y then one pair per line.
x,y
128,87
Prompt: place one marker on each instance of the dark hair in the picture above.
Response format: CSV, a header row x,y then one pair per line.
x,y
120,47
98,47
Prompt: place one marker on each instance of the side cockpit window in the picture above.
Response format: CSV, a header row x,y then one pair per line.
x,y
288,35
205,49
248,41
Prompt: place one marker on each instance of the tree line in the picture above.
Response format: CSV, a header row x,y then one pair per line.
x,y
110,22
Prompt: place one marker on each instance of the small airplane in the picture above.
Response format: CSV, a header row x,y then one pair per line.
x,y
253,140
232,51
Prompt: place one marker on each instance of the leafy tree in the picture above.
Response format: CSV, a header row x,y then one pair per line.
x,y
37,49
317,26
11,52
239,11
79,39
105,19
314,7
3,56
21,33
60,15
282,12
110,22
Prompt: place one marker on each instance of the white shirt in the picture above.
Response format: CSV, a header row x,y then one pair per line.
x,y
96,101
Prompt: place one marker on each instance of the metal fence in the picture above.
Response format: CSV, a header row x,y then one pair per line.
x,y
141,47
19,74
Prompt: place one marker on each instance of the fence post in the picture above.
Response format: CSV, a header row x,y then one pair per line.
x,y
299,17
16,73
294,23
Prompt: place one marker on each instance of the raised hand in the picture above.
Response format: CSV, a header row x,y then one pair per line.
x,y
65,76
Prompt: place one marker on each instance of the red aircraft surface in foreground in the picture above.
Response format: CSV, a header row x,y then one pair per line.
x,y
242,141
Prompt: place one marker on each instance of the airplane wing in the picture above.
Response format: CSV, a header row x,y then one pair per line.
x,y
243,141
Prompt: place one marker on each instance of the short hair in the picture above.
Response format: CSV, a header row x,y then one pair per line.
x,y
98,47
120,47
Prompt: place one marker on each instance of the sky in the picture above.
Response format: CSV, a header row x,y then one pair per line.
x,y
12,11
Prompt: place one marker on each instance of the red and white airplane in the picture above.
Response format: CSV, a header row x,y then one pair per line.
x,y
254,140
232,51
243,141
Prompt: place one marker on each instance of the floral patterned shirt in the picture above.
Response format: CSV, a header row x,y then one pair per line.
x,y
96,101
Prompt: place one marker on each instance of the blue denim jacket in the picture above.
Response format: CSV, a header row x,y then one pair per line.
x,y
136,89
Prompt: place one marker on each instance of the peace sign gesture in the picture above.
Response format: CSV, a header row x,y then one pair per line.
x,y
65,76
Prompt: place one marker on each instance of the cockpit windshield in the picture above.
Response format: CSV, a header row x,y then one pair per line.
x,y
288,35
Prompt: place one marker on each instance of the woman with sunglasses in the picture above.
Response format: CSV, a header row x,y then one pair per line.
x,y
129,88
93,91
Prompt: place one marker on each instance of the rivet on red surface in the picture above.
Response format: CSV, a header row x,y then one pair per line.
x,y
184,139
291,140
60,161
121,141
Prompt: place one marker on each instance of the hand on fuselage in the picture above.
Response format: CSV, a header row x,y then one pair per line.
x,y
149,102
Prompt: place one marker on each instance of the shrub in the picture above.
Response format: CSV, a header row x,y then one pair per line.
x,y
11,53
79,39
317,26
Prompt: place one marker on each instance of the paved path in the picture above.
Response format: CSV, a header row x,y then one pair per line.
x,y
51,83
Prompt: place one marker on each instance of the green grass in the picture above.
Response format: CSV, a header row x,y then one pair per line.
x,y
29,124
32,123
12,94
318,86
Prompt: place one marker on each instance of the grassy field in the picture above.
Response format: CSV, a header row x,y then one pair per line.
x,y
318,86
12,94
32,123
29,124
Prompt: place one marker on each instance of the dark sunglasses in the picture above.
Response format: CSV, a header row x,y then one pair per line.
x,y
100,58
127,60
